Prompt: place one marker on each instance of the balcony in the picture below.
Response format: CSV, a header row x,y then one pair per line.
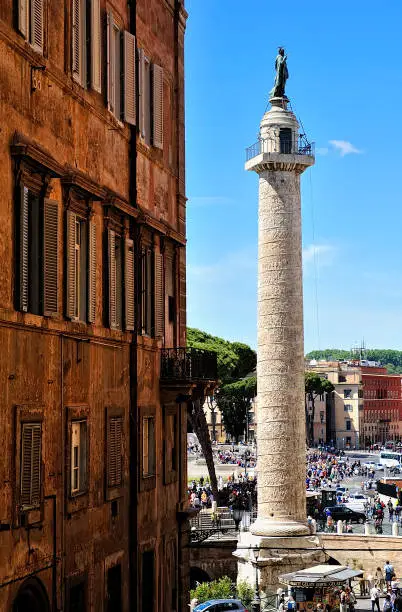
x,y
269,145
189,364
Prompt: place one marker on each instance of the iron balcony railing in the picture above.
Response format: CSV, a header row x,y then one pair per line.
x,y
287,147
188,364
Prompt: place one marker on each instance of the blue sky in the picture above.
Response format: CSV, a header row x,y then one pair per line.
x,y
345,84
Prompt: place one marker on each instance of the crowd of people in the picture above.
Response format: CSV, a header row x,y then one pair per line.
x,y
326,469
240,491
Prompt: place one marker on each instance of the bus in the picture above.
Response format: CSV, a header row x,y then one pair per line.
x,y
390,459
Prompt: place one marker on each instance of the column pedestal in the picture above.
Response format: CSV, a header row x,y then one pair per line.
x,y
277,555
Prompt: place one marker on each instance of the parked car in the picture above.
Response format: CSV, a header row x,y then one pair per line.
x,y
370,465
220,605
343,513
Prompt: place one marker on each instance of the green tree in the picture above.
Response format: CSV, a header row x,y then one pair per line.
x,y
235,359
223,588
217,589
234,402
315,386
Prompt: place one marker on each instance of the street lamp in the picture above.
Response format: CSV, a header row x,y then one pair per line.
x,y
255,605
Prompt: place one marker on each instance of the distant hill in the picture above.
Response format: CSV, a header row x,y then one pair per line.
x,y
389,358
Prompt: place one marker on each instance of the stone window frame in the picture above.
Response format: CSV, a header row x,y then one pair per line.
x,y
34,168
79,195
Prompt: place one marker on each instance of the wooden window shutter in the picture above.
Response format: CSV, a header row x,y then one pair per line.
x,y
92,272
23,17
114,452
50,256
112,278
159,296
76,50
110,61
23,296
157,106
30,464
129,283
96,46
129,78
37,25
141,96
71,283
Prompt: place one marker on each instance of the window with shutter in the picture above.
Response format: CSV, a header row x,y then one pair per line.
x,y
114,452
30,478
96,46
23,248
157,106
78,457
129,283
147,291
81,268
92,273
50,260
130,100
159,296
114,66
77,54
37,23
148,446
71,309
86,43
112,278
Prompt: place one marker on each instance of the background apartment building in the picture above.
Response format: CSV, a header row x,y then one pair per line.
x,y
367,403
94,371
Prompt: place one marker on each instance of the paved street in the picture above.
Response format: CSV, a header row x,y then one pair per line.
x,y
198,468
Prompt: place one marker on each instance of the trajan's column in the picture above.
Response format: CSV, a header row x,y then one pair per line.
x,y
280,533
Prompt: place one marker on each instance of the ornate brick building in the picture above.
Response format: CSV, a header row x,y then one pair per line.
x,y
92,295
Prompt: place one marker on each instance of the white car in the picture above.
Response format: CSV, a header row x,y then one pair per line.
x,y
370,465
379,466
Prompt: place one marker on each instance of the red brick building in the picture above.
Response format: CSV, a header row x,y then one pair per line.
x,y
382,414
93,409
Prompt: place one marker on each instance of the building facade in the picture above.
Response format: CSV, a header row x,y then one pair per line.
x,y
94,371
382,396
367,405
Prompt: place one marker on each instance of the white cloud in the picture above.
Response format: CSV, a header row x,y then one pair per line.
x,y
209,200
320,254
344,147
322,150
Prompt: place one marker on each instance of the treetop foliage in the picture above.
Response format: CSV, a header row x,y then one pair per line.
x,y
389,358
316,385
235,359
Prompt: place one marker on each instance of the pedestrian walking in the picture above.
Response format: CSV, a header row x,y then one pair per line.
x,y
389,573
375,598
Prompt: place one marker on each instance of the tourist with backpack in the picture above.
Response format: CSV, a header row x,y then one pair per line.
x,y
389,573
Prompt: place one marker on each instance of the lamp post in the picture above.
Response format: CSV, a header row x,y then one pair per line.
x,y
255,605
